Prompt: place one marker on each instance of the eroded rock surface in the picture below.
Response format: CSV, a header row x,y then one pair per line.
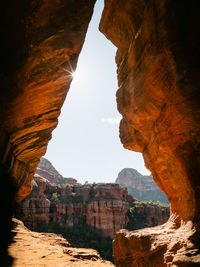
x,y
158,64
44,249
158,72
41,42
159,246
104,207
143,214
39,48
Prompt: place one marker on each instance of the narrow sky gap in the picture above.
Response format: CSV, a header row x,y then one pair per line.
x,y
86,144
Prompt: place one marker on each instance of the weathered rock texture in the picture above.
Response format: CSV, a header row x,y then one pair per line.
x,y
101,206
43,249
141,186
158,61
40,44
143,214
158,72
104,207
107,208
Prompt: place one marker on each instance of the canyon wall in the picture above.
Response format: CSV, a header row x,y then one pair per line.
x,y
41,42
39,48
158,75
142,187
158,60
104,207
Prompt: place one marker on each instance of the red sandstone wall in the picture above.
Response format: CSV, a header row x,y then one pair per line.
x,y
158,64
41,42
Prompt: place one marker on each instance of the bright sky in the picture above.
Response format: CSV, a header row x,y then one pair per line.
x,y
86,143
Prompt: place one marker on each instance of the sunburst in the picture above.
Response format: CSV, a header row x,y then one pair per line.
x,y
70,72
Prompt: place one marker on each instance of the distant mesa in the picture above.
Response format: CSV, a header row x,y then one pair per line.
x,y
141,186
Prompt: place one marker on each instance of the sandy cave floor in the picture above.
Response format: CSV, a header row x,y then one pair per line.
x,y
34,249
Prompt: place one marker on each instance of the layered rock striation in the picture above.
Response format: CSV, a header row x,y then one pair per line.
x,y
158,64
41,42
106,208
101,206
158,75
39,49
142,187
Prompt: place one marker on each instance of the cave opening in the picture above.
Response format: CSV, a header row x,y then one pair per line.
x,y
86,144
86,140
170,143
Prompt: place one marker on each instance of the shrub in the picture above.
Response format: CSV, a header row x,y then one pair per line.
x,y
34,184
55,196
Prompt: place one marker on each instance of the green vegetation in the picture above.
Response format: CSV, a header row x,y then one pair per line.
x,y
66,185
154,195
82,236
122,186
150,202
136,217
55,196
34,184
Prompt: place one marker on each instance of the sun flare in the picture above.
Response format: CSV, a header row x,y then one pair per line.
x,y
76,75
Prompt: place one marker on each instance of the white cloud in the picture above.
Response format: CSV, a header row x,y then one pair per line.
x,y
115,120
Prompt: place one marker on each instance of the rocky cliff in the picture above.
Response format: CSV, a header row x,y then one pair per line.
x,y
143,214
105,207
47,170
101,206
39,49
90,211
141,186
158,60
41,42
